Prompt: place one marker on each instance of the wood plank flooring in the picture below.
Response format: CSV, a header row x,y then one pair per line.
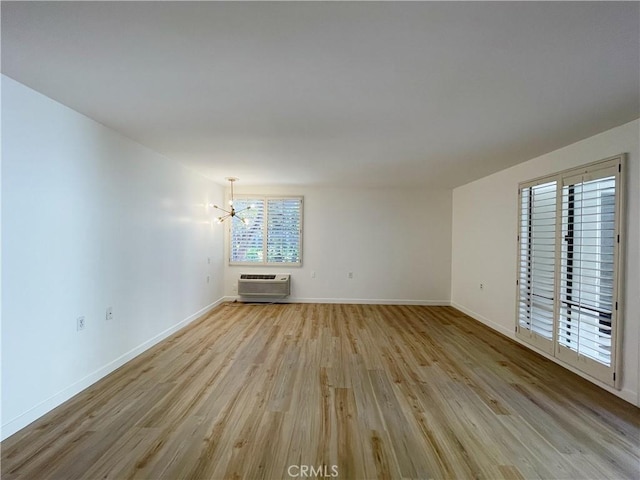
x,y
361,391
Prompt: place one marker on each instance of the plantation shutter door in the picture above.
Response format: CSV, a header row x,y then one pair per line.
x,y
284,230
247,238
536,258
587,314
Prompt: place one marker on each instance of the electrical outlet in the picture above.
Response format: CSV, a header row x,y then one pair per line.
x,y
350,274
80,323
313,274
482,286
208,278
209,260
109,314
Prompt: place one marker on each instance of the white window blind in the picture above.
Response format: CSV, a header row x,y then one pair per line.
x,y
283,230
588,266
271,233
537,262
247,239
568,266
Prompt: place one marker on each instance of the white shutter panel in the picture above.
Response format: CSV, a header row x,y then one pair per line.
x,y
536,285
284,228
587,303
247,238
569,247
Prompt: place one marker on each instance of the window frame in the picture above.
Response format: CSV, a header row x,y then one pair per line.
x,y
264,262
609,167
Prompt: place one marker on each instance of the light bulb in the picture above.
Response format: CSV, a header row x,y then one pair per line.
x,y
230,202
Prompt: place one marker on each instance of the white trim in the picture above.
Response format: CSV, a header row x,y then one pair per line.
x,y
625,394
42,408
346,301
489,323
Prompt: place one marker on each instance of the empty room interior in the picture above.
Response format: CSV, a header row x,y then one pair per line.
x,y
346,240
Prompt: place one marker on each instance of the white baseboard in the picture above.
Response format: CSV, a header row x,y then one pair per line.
x,y
625,394
485,320
351,301
24,419
371,301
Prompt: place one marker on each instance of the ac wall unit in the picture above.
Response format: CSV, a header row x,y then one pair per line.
x,y
264,286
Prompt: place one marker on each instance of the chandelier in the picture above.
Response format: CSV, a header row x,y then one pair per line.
x,y
233,213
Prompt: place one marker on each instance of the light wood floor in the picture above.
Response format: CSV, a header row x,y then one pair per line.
x,y
378,391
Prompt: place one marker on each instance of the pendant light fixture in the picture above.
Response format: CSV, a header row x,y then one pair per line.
x,y
233,213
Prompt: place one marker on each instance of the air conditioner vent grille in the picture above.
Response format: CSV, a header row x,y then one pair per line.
x,y
245,276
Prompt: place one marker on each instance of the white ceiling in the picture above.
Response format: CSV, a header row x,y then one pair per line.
x,y
336,93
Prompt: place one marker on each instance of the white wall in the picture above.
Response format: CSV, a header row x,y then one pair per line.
x,y
397,243
484,241
91,219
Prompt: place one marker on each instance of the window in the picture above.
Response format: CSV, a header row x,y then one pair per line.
x,y
272,233
568,257
537,262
